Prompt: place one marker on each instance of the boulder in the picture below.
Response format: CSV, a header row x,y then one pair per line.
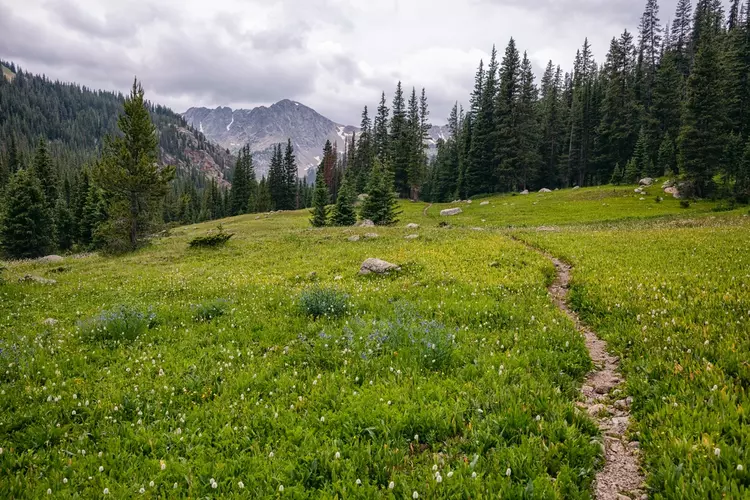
x,y
411,237
412,226
484,203
673,191
450,211
525,191
646,181
667,184
469,202
545,190
367,223
353,238
51,259
576,187
371,236
377,266
36,279
638,191
49,322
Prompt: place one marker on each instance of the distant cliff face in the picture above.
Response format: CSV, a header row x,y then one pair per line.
x,y
262,127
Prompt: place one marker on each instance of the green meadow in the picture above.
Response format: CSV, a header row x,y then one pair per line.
x,y
268,368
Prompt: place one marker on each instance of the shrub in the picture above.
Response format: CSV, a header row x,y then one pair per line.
x,y
685,203
317,302
213,239
123,323
209,310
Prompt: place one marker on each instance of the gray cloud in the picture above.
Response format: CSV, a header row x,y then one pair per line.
x,y
333,55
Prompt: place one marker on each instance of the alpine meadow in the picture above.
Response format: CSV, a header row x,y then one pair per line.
x,y
530,285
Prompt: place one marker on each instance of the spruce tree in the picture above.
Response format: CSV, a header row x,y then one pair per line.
x,y
240,192
399,143
320,200
45,172
364,154
617,175
632,172
130,173
506,151
343,213
527,126
263,202
290,177
26,222
667,158
480,175
380,138
277,179
64,226
380,206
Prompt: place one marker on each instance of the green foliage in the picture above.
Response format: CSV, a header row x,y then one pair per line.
x,y
323,302
343,213
130,174
320,200
207,311
214,238
380,206
685,203
244,185
26,222
121,324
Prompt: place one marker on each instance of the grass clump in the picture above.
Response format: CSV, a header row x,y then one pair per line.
x,y
122,324
214,238
323,302
208,311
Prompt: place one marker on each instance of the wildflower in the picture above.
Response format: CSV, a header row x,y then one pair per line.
x,y
142,490
538,418
438,478
415,495
281,488
162,464
151,484
391,485
101,468
106,491
740,467
241,485
174,486
49,491
358,482
450,474
717,452
508,472
65,480
322,419
434,467
473,475
270,455
337,455
214,485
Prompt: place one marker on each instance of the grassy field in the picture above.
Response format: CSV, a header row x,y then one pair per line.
x,y
269,368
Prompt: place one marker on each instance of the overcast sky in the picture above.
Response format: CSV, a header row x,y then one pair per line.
x,y
333,55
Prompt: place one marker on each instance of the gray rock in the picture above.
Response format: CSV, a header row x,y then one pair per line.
x,y
525,191
576,187
367,223
353,238
371,236
411,237
545,190
484,203
667,184
36,279
412,226
646,181
51,259
673,191
477,229
49,322
469,202
377,266
451,211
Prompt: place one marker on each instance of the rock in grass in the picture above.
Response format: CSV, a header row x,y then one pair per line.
x,y
371,236
411,237
450,211
51,259
525,192
576,187
646,181
36,279
353,238
377,266
484,203
367,223
412,226
545,190
49,322
673,191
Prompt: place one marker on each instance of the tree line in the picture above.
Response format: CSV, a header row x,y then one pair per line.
x,y
673,102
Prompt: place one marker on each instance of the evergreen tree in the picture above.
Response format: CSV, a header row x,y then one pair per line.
x,y
618,175
364,155
26,224
742,182
480,175
241,188
263,202
380,206
381,142
527,127
552,126
64,226
632,172
506,152
45,172
343,213
320,200
400,143
290,177
701,138
130,173
277,179
667,158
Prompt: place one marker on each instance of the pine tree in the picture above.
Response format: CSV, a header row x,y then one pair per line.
x,y
681,41
617,175
380,206
45,172
552,123
701,137
399,143
480,175
64,227
632,172
26,224
129,171
506,153
381,140
343,213
667,158
277,179
320,200
364,154
263,202
527,126
240,193
290,176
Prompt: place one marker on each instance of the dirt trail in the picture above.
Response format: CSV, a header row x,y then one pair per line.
x,y
424,212
621,476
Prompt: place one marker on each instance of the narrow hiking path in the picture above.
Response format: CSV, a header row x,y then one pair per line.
x,y
424,212
620,478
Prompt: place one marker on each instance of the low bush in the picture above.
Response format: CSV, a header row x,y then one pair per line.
x,y
209,310
121,324
319,302
214,238
685,203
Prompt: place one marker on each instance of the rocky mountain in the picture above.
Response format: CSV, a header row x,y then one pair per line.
x,y
263,127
